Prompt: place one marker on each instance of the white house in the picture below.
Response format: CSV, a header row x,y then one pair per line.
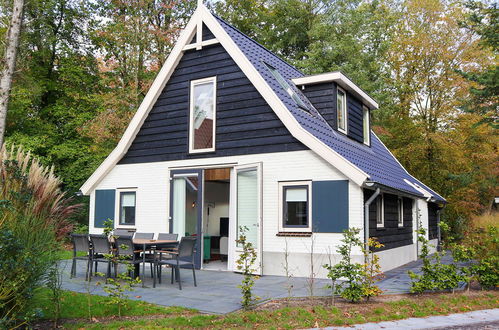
x,y
229,135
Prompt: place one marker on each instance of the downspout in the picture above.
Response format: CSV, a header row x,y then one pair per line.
x,y
366,217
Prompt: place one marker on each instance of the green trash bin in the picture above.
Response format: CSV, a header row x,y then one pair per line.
x,y
206,247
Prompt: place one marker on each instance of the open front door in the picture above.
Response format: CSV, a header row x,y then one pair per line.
x,y
186,199
248,208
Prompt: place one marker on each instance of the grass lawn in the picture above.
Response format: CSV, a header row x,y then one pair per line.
x,y
68,254
76,306
299,313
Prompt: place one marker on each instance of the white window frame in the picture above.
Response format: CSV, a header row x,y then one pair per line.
x,y
345,110
286,184
191,113
380,211
400,211
117,222
366,125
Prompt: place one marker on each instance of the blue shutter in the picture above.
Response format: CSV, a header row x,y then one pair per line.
x,y
330,206
104,206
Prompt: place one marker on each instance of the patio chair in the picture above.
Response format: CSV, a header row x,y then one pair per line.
x,y
143,235
183,257
80,244
167,237
122,232
100,247
126,253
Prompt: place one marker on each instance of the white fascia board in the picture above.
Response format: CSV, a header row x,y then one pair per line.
x,y
347,168
342,80
144,108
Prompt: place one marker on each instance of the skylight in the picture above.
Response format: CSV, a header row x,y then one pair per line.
x,y
287,87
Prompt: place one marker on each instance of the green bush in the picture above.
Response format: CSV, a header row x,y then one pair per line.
x,y
33,214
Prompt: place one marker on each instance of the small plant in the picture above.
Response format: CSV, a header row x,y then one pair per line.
x,y
435,275
54,283
117,288
311,276
108,227
287,270
372,270
245,264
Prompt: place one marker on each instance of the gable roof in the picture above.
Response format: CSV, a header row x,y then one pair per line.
x,y
358,162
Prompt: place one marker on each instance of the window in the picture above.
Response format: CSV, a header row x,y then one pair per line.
x,y
400,211
366,125
341,109
287,87
202,115
380,210
127,208
295,208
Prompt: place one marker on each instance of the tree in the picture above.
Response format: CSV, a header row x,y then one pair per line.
x,y
12,41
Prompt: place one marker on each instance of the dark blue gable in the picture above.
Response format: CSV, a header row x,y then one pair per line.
x,y
245,122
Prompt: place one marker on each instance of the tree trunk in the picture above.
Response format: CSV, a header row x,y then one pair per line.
x,y
12,44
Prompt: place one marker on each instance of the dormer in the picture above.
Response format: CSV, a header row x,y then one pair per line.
x,y
344,105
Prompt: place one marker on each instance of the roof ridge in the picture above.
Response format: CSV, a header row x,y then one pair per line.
x,y
258,44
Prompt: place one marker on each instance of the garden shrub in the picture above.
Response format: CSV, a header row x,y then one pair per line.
x,y
33,214
245,264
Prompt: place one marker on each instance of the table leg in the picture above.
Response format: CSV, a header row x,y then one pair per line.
x,y
143,265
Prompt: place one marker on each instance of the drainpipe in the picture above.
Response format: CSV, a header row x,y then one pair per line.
x,y
366,217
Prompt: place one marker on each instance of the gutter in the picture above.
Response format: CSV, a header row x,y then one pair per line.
x,y
366,217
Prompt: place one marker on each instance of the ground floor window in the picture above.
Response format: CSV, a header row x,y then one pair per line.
x,y
127,208
380,211
295,206
400,211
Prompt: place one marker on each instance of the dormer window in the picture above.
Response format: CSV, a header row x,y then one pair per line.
x,y
202,115
341,110
366,125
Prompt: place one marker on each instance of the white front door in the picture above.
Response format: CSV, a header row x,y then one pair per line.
x,y
247,210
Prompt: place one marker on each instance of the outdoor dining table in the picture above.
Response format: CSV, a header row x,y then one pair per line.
x,y
147,244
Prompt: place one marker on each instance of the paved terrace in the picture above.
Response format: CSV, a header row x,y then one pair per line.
x,y
217,292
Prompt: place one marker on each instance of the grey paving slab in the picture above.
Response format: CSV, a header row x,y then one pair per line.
x,y
217,292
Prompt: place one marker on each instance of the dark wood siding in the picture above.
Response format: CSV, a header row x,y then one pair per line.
x,y
245,122
432,220
323,97
391,235
355,119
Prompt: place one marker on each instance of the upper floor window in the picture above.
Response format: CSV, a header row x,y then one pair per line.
x,y
202,115
380,211
341,110
366,125
127,208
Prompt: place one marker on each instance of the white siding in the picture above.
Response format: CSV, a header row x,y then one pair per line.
x,y
152,183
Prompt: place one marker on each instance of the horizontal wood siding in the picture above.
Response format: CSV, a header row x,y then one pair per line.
x,y
323,98
432,221
245,122
391,235
355,119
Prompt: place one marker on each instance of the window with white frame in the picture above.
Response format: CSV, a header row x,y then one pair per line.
x,y
400,211
366,125
380,211
295,206
127,200
341,110
202,115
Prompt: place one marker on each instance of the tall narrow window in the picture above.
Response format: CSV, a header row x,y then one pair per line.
x,y
400,208
366,125
127,208
341,109
202,115
380,210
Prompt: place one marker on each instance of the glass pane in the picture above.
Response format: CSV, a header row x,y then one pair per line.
x,y
341,109
297,214
366,125
296,194
185,215
127,208
204,113
247,204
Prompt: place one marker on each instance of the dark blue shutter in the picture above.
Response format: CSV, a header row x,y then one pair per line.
x,y
104,206
330,206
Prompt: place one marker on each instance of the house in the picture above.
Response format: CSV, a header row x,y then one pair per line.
x,y
231,136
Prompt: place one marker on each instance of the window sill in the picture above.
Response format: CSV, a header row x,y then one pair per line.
x,y
293,234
